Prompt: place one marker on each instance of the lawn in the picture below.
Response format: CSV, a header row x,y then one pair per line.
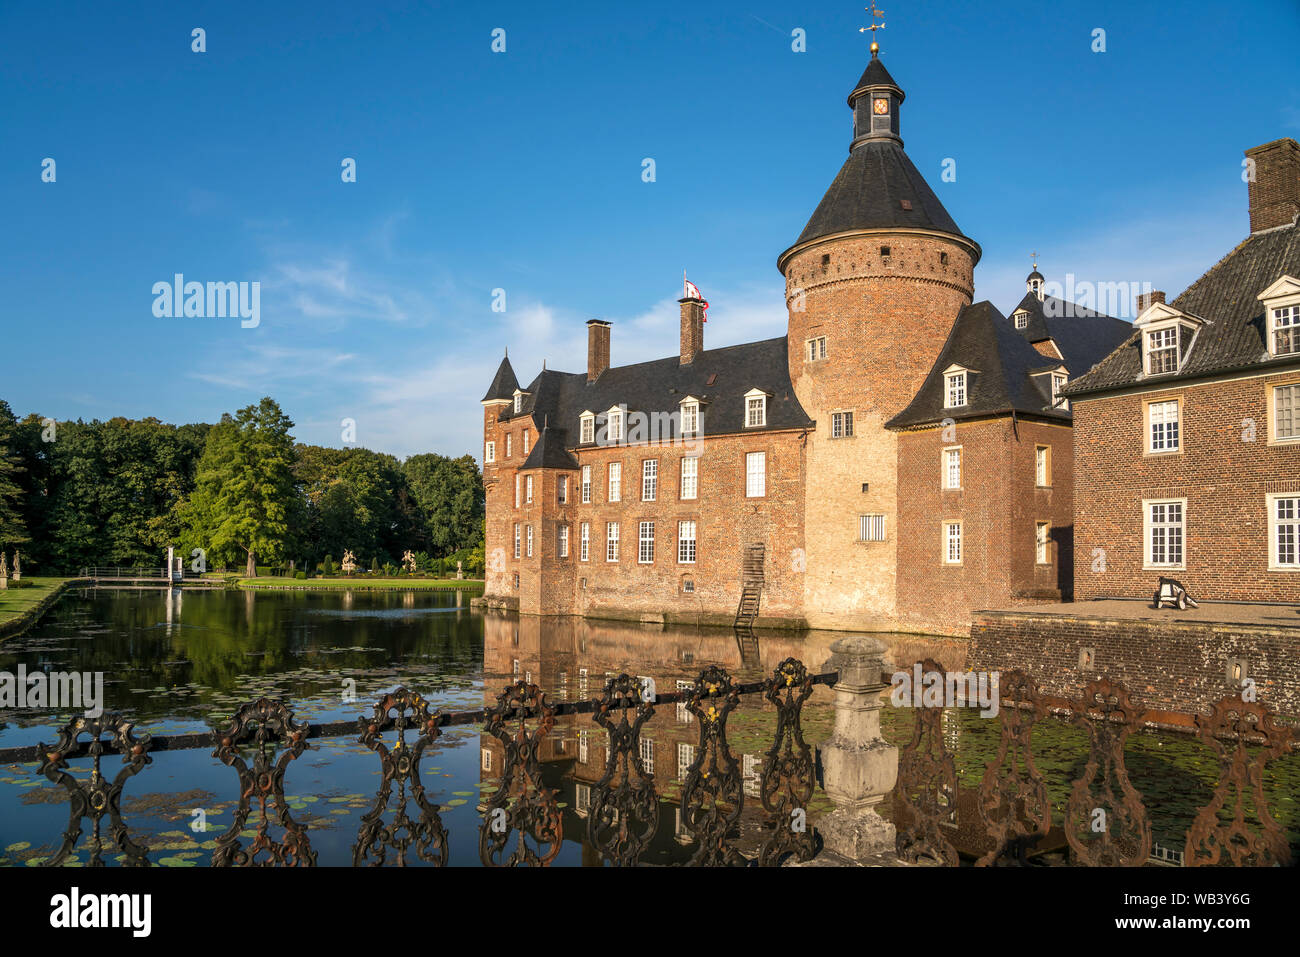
x,y
361,581
17,601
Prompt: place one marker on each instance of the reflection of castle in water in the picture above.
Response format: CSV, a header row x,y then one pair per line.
x,y
571,659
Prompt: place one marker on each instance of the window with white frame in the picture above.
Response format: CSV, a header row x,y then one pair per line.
x,y
519,402
510,443
690,476
526,435
485,759
1042,555
517,483
1162,350
562,490
528,490
685,758
686,543
1022,319
1164,533
954,393
584,541
648,755
871,528
517,539
841,425
490,453
1286,412
1284,532
587,429
586,485
952,543
1285,324
614,425
952,468
645,553
615,481
584,746
528,537
649,480
611,541
755,410
564,541
1058,383
755,474
1163,426
816,348
690,418
684,715
1043,466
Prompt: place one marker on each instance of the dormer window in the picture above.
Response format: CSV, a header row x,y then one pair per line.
x,y
1058,383
690,416
1021,319
755,409
587,428
1282,309
1162,350
519,401
614,424
954,389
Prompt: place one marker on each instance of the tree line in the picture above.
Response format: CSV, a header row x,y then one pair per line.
x,y
119,492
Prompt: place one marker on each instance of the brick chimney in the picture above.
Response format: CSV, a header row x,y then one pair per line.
x,y
597,348
1275,190
1145,299
692,329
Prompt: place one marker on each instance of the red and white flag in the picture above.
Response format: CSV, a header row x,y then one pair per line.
x,y
692,291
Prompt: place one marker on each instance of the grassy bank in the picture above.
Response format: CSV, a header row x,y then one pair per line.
x,y
17,605
363,584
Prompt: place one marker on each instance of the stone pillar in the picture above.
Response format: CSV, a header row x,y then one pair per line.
x,y
859,767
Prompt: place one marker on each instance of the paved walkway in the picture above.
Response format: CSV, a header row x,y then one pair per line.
x,y
1272,616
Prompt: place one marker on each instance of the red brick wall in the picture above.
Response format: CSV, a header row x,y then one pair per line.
x,y
1224,479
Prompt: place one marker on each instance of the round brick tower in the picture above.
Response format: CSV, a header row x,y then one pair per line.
x,y
873,285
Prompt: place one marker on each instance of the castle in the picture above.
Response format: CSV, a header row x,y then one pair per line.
x,y
900,457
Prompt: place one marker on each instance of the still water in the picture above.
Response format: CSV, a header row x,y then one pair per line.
x,y
181,661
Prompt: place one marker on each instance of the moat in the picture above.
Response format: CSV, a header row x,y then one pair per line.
x,y
179,662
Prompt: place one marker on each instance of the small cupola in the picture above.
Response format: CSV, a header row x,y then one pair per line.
x,y
876,99
1034,281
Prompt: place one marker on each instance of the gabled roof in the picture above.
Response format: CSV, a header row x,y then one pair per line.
x,y
1082,336
1001,379
504,384
549,452
661,384
1234,335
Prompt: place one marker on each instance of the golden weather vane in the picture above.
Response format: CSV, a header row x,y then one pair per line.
x,y
1035,255
875,15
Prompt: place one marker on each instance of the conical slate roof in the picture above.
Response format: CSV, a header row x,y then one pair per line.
x,y
874,75
503,384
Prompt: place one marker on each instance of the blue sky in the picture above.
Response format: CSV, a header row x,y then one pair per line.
x,y
522,171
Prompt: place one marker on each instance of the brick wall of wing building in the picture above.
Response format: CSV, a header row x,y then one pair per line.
x,y
1224,478
726,523
999,506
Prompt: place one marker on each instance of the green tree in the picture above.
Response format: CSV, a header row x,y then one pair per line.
x,y
13,530
244,497
450,494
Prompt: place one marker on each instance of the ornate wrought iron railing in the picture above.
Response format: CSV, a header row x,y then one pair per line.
x,y
521,821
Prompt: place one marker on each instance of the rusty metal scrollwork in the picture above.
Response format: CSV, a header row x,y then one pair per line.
x,y
400,765
1013,801
713,794
521,805
926,792
264,722
1106,823
624,810
96,797
1210,840
789,774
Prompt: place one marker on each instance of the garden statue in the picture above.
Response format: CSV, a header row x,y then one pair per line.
x,y
408,561
349,562
18,566
460,572
4,572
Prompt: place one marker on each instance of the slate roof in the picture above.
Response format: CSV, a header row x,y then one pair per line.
x,y
874,75
719,378
1083,336
1234,336
549,452
867,194
1001,361
503,384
